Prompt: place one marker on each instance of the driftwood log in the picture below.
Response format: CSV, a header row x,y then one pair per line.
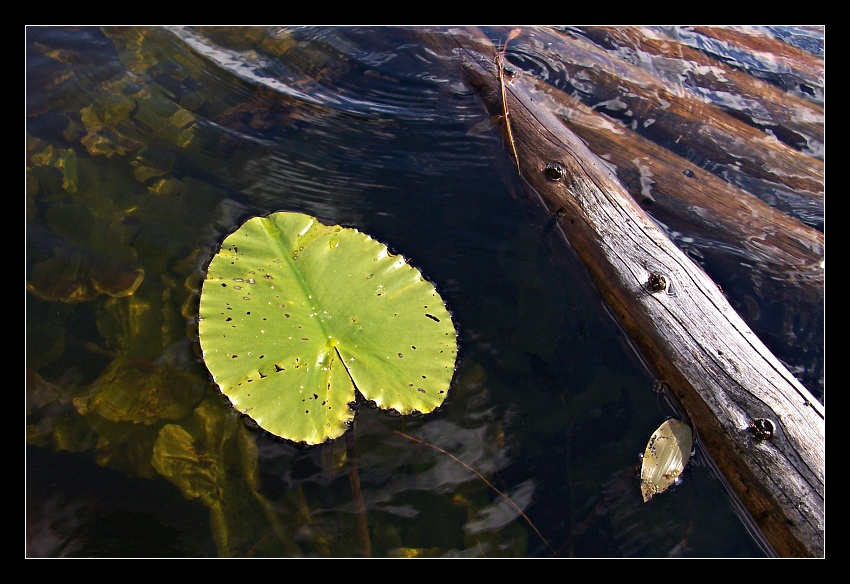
x,y
691,201
789,116
759,424
741,147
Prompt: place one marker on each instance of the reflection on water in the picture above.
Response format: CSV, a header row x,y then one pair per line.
x,y
147,145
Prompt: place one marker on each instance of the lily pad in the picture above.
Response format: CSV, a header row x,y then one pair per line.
x,y
296,315
665,457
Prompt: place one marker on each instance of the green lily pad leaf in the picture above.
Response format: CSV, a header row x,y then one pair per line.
x,y
295,315
665,457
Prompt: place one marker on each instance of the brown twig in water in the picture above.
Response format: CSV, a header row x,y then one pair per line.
x,y
488,483
500,66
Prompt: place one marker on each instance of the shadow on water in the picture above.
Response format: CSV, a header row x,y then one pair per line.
x,y
147,145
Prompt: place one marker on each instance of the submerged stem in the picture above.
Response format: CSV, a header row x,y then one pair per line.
x,y
488,483
357,495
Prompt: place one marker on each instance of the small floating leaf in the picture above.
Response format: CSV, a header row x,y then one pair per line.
x,y
665,457
296,315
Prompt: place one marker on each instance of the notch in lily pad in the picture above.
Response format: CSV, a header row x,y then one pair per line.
x,y
296,316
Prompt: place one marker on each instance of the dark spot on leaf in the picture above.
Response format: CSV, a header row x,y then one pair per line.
x,y
432,317
278,368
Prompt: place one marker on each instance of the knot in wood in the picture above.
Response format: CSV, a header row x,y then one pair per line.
x,y
762,428
555,171
657,282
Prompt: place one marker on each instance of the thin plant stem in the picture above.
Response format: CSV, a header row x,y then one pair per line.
x,y
357,496
488,483
500,66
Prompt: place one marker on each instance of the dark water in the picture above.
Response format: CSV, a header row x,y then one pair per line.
x,y
146,146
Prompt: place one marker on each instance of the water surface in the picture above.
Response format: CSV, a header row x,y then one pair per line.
x,y
146,146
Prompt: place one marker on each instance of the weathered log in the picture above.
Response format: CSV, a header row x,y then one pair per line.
x,y
795,120
760,425
804,68
723,221
663,115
